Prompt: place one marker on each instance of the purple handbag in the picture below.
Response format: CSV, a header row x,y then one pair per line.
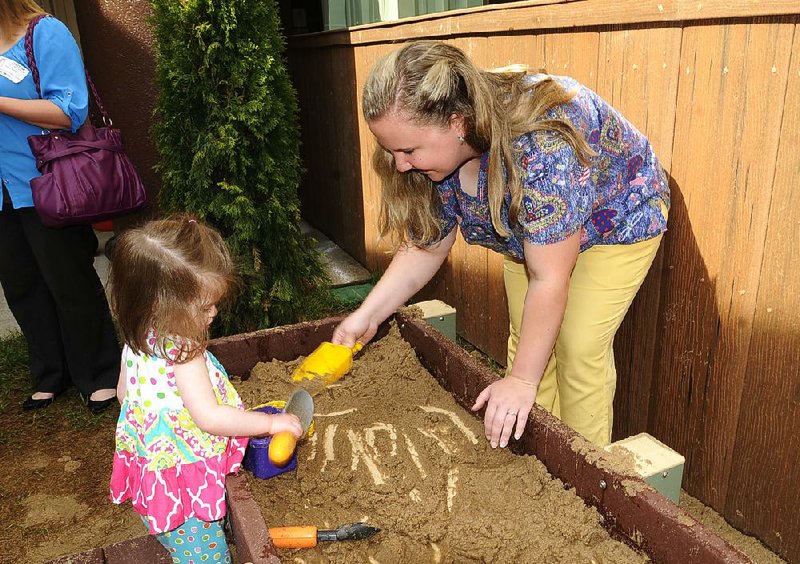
x,y
86,175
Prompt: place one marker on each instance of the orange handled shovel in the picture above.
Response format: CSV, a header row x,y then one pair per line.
x,y
328,362
282,445
309,536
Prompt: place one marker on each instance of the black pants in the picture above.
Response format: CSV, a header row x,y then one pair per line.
x,y
52,288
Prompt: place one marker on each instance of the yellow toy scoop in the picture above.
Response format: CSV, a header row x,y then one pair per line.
x,y
328,362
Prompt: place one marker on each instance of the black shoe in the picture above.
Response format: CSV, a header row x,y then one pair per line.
x,y
97,407
31,403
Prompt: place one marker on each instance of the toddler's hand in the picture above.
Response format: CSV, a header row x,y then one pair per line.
x,y
286,422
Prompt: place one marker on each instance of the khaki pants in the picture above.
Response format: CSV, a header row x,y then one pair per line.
x,y
580,379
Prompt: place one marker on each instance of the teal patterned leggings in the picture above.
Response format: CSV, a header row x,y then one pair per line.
x,y
196,542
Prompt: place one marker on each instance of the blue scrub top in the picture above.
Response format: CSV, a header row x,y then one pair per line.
x,y
63,82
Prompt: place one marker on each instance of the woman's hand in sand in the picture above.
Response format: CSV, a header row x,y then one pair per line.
x,y
508,402
358,326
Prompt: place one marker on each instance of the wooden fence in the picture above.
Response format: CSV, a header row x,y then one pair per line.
x,y
708,357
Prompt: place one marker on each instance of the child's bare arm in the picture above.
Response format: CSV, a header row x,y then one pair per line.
x,y
224,420
122,383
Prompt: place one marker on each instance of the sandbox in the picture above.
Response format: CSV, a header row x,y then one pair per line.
x,y
630,510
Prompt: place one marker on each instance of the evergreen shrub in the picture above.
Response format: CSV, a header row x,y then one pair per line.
x,y
227,132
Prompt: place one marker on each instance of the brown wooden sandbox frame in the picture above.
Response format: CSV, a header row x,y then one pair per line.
x,y
646,520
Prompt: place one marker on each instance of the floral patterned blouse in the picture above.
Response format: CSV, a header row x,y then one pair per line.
x,y
616,200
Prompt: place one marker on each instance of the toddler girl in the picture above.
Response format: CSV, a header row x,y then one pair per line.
x,y
182,426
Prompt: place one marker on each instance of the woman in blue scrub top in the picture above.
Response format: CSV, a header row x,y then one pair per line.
x,y
48,275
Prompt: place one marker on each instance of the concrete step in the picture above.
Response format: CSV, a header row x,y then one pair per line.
x,y
343,269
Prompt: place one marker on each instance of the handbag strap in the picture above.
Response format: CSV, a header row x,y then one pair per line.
x,y
35,70
75,147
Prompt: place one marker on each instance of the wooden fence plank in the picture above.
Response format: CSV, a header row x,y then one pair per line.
x,y
327,157
473,295
723,163
310,200
766,474
346,159
311,134
574,54
638,74
496,308
329,146
474,268
376,250
524,16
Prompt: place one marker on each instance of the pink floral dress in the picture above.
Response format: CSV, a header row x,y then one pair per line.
x,y
164,463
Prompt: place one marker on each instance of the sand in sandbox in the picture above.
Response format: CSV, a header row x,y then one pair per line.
x,y
393,448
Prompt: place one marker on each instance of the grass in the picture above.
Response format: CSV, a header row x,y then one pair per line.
x,y
14,373
14,379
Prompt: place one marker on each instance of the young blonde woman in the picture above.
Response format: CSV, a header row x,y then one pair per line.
x,y
48,275
542,170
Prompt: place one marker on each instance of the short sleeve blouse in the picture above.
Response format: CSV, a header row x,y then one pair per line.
x,y
620,198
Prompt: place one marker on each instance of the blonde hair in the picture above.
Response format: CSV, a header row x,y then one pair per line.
x,y
429,82
163,274
16,13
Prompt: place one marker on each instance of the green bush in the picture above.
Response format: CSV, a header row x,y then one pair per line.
x,y
227,133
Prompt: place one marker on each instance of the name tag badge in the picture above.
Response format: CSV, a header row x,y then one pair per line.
x,y
12,70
